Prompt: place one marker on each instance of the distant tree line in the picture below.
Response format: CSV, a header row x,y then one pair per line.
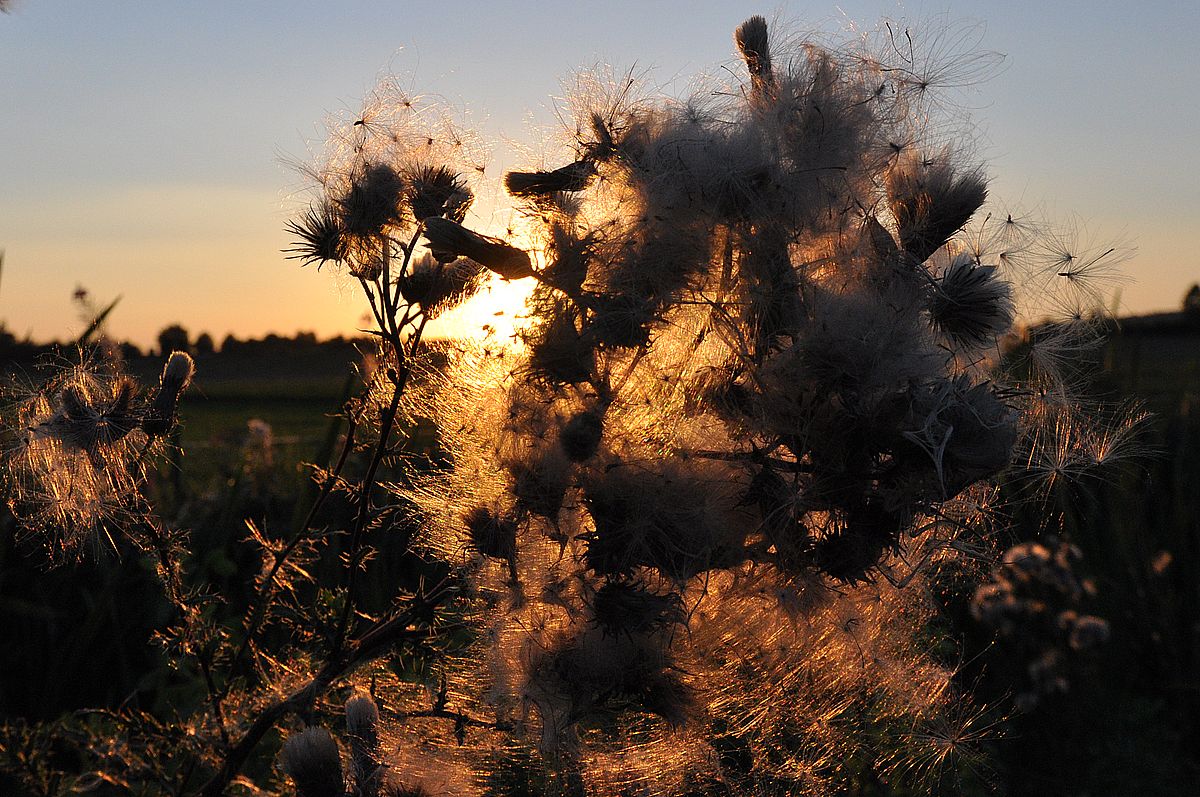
x,y
174,337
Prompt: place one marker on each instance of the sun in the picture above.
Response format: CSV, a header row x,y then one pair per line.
x,y
495,311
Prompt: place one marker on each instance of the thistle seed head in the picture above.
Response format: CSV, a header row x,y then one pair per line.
x,y
438,287
558,354
540,482
492,535
372,202
438,191
967,432
630,607
970,304
318,236
619,320
931,201
312,760
569,258
90,424
580,436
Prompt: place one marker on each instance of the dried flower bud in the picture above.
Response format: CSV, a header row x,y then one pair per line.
x,y
312,760
448,239
572,177
492,535
177,373
931,202
752,42
593,673
362,729
176,377
676,520
970,304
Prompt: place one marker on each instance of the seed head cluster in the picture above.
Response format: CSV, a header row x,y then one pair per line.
x,y
77,448
769,382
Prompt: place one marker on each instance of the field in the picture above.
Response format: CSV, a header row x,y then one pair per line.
x,y
1127,723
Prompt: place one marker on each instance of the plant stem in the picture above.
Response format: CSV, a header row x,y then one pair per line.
x,y
371,644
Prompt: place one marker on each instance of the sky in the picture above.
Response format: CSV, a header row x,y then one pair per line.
x,y
144,146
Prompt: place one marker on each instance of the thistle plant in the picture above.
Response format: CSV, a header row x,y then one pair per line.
x,y
767,391
78,451
681,531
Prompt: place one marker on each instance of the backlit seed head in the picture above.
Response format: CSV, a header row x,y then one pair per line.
x,y
372,202
438,287
318,236
580,436
970,304
931,200
438,191
312,760
492,535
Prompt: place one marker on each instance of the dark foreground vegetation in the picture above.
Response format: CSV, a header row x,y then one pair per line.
x,y
80,639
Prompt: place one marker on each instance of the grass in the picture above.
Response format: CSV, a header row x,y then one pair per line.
x,y
214,426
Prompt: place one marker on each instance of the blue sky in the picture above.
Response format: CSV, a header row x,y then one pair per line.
x,y
141,142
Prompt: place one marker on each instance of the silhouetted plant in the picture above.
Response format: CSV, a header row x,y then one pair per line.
x,y
680,531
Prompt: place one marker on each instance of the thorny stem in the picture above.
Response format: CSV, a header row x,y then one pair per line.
x,y
214,697
385,291
366,286
387,422
371,644
301,534
340,658
173,582
408,250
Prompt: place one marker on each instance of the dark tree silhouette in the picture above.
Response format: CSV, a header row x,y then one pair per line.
x,y
1191,300
204,344
173,338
